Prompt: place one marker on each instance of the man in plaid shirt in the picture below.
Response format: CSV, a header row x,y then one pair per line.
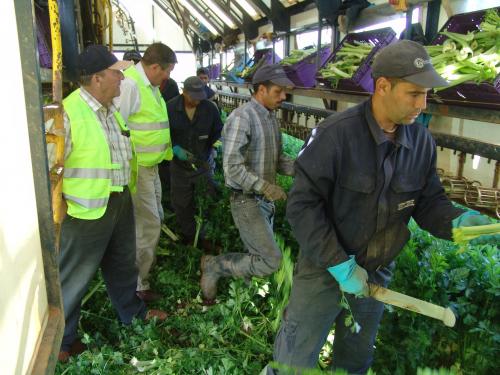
x,y
252,158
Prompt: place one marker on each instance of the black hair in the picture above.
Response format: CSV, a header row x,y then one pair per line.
x,y
202,70
266,84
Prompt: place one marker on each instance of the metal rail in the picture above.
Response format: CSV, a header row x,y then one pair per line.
x,y
296,120
457,111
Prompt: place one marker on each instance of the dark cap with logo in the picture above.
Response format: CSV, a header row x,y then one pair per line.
x,y
96,58
273,73
407,60
195,88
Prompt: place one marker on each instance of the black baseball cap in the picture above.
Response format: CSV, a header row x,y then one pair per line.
x,y
195,88
273,73
132,55
96,58
407,60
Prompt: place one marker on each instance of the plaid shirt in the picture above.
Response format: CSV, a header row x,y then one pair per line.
x,y
252,148
119,145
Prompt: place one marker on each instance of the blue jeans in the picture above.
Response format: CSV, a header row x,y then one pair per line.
x,y
312,311
253,216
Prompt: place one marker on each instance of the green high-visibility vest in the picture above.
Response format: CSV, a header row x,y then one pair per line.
x,y
149,126
88,168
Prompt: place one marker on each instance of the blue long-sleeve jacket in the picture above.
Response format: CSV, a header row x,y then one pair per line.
x,y
355,191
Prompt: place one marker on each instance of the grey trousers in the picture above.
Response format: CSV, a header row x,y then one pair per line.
x,y
253,216
148,213
182,193
109,243
311,313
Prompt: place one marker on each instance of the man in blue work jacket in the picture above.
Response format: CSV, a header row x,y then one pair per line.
x,y
361,177
195,125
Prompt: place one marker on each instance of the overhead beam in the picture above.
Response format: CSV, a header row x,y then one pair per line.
x,y
177,18
263,7
214,24
236,21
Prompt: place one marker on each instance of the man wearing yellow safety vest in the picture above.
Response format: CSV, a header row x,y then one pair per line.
x,y
98,230
145,113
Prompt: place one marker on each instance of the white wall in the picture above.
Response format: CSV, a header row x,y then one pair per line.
x,y
164,29
23,299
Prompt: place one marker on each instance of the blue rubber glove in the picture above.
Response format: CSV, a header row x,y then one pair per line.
x,y
472,218
180,153
351,277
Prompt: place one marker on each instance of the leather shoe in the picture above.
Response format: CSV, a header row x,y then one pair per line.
x,y
148,295
208,280
209,247
160,315
76,348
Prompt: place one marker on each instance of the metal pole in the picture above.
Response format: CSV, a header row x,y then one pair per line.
x,y
318,47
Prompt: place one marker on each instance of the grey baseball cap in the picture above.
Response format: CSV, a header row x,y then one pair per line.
x,y
407,60
273,73
195,88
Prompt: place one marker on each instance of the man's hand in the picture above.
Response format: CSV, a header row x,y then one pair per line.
x,y
472,218
180,153
273,192
351,277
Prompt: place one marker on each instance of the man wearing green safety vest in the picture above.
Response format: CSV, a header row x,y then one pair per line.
x,y
98,230
145,113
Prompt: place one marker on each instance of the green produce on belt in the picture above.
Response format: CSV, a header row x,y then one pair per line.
x,y
297,55
471,57
347,61
250,70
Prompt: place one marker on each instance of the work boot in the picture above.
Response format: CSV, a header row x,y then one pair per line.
x,y
209,278
209,247
77,347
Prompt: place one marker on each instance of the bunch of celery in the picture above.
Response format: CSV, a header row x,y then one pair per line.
x,y
347,61
474,56
297,55
463,235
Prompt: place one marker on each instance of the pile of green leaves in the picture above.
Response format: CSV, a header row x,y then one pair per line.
x,y
297,55
236,335
346,62
470,57
469,282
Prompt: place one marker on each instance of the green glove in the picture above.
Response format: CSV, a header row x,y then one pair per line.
x,y
180,153
472,218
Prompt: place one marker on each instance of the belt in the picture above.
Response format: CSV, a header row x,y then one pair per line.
x,y
235,192
117,193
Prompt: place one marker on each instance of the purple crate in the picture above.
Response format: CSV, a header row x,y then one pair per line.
x,y
484,95
361,81
43,38
214,71
303,73
262,54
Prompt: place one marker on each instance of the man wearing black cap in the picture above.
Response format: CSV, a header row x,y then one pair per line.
x,y
195,126
145,112
98,230
361,177
252,156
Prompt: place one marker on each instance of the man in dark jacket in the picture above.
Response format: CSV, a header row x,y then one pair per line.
x,y
195,125
361,177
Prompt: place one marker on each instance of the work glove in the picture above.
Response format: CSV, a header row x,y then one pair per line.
x,y
273,192
351,277
180,153
472,218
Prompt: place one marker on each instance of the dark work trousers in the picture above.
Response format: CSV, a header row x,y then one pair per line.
x,y
109,243
182,189
164,172
314,308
